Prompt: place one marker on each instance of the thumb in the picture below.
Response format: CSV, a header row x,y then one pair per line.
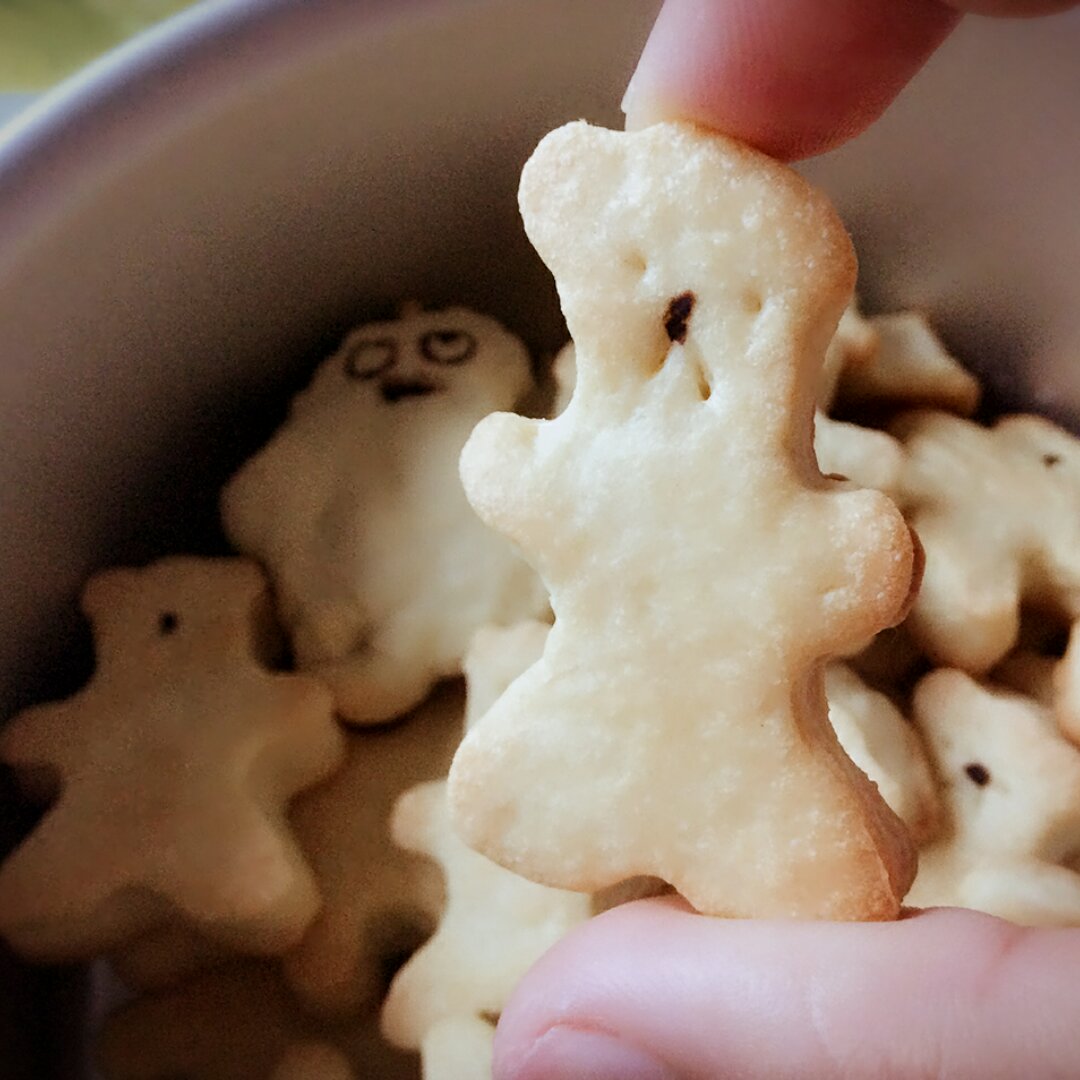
x,y
652,991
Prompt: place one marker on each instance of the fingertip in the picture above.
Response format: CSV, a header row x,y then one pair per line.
x,y
790,78
711,997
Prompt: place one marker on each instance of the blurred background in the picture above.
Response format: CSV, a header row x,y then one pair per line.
x,y
41,41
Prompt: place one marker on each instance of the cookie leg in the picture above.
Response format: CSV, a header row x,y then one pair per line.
x,y
967,614
373,687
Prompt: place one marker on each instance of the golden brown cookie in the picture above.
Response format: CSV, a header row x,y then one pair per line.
x,y
700,565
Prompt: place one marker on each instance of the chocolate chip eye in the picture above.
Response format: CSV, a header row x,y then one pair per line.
x,y
977,774
447,346
168,623
1050,460
366,359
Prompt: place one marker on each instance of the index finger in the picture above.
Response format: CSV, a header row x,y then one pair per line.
x,y
790,77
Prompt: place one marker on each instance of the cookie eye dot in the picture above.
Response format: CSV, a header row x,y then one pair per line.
x,y
447,346
677,317
370,357
168,623
978,774
1050,460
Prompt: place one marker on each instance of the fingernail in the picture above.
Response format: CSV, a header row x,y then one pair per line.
x,y
564,1053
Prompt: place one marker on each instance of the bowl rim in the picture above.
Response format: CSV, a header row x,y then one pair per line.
x,y
75,134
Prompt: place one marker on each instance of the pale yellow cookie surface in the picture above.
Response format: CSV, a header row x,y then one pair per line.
x,y
1011,785
495,926
176,763
885,745
378,900
909,367
698,562
458,1049
998,513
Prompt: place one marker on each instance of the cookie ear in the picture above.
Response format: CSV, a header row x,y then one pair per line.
x,y
107,592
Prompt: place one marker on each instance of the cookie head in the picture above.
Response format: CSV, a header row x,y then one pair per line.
x,y
662,238
422,360
153,610
1054,449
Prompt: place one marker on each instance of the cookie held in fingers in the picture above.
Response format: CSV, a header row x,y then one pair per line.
x,y
381,570
700,565
176,764
1011,786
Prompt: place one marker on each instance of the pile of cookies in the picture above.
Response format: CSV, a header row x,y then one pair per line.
x,y
323,803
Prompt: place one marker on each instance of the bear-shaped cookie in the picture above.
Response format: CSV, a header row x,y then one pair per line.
x,y
382,571
699,563
495,926
176,764
877,736
998,512
379,901
1011,785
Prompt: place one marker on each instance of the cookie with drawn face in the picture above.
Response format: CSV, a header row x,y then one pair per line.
x,y
700,564
382,570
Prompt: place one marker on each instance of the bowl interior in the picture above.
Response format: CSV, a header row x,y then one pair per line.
x,y
170,272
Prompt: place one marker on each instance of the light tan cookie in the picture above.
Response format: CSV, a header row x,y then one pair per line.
x,y
854,344
878,738
176,763
700,565
458,1049
379,901
1011,784
495,926
564,372
1066,688
998,512
910,368
381,569
869,458
239,1023
496,657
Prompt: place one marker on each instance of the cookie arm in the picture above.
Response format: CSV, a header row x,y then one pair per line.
x,y
873,562
499,473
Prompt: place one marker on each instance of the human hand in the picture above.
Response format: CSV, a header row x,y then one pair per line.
x,y
793,77
652,991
